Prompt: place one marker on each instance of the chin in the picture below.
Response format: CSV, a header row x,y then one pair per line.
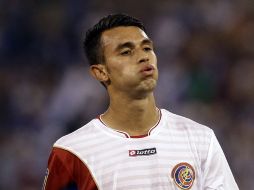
x,y
144,88
148,85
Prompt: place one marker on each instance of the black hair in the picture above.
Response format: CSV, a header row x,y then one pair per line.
x,y
92,42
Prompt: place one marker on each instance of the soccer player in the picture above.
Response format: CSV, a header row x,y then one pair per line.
x,y
134,144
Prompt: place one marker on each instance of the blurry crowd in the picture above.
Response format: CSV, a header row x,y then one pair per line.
x,y
205,55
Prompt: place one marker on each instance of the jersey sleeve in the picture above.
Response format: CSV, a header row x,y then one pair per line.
x,y
217,173
65,168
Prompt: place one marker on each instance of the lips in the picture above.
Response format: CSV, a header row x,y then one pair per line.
x,y
147,69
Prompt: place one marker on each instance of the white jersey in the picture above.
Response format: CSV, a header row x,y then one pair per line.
x,y
177,153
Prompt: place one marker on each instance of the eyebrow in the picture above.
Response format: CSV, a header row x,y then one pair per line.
x,y
132,45
147,41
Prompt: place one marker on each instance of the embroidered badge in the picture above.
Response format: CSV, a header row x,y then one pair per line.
x,y
183,175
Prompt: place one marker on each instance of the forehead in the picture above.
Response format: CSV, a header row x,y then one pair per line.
x,y
115,36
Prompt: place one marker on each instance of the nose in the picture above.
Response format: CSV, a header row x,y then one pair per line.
x,y
143,57
143,60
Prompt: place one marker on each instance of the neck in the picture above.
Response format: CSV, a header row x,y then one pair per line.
x,y
134,116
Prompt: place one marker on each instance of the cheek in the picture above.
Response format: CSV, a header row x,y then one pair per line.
x,y
112,64
154,59
115,69
118,66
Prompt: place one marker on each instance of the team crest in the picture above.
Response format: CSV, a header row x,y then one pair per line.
x,y
183,175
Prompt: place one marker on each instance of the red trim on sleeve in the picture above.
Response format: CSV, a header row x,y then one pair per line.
x,y
65,168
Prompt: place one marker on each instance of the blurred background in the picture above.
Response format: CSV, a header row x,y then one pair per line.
x,y
205,54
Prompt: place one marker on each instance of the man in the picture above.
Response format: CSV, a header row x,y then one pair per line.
x,y
134,144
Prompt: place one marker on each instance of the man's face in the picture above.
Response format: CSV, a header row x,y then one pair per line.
x,y
130,59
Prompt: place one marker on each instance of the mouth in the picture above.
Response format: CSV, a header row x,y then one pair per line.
x,y
147,68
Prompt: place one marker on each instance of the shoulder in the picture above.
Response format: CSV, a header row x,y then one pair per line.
x,y
77,137
183,124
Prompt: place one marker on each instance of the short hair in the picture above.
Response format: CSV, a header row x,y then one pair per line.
x,y
92,43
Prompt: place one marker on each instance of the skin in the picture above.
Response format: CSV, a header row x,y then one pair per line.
x,y
130,74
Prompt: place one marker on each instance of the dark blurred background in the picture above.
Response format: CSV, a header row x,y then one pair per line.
x,y
205,54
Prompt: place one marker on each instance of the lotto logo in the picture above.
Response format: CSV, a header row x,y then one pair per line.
x,y
142,152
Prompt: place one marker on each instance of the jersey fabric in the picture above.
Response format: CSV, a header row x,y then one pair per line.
x,y
177,153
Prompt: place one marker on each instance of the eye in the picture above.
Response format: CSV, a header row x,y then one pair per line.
x,y
126,52
148,49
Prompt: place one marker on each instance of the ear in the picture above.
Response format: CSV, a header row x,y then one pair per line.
x,y
99,72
